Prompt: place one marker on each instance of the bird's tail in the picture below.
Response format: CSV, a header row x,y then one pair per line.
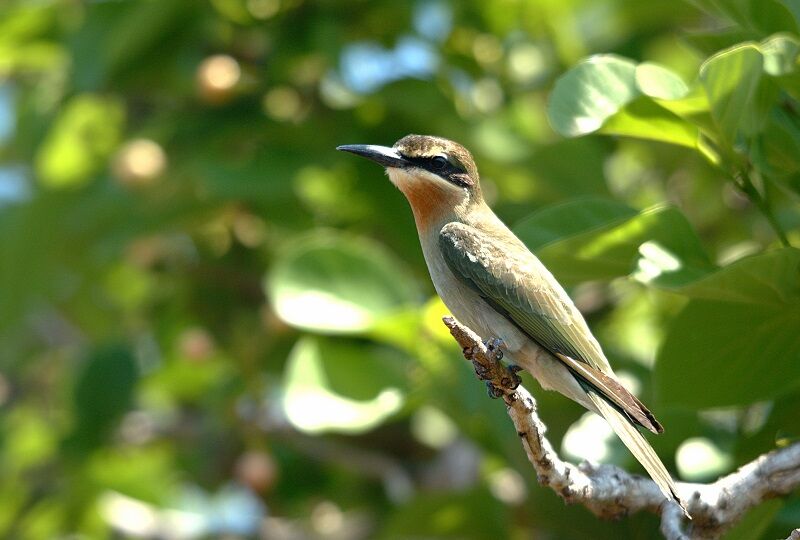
x,y
639,447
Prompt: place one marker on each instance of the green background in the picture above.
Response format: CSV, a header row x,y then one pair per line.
x,y
214,324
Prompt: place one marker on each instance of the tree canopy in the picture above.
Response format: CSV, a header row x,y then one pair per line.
x,y
212,323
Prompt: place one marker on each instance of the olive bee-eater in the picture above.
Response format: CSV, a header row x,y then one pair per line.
x,y
493,283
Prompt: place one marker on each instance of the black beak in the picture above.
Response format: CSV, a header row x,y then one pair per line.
x,y
382,155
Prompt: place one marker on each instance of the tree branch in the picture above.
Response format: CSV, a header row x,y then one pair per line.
x,y
611,492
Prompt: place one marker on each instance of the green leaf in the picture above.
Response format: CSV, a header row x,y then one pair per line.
x,y
659,82
83,136
755,522
777,151
548,225
332,386
736,341
103,392
470,514
658,245
759,17
781,57
768,279
616,96
591,92
338,284
780,54
739,98
126,37
646,119
566,169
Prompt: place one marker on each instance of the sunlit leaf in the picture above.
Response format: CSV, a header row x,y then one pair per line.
x,y
645,119
591,92
616,96
658,245
329,386
736,341
659,82
731,80
332,283
780,54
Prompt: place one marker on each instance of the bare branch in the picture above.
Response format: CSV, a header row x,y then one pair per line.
x,y
611,492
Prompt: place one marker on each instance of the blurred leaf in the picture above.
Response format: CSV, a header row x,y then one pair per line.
x,y
575,107
103,392
26,44
549,224
615,96
777,151
63,235
769,279
473,514
567,168
142,472
779,424
658,245
645,119
83,136
756,521
29,440
659,82
735,342
780,54
333,387
191,381
339,284
707,42
121,36
731,80
759,16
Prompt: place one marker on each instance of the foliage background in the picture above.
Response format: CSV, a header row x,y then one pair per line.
x,y
214,324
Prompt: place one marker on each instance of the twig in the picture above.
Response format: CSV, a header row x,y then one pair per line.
x,y
611,492
745,183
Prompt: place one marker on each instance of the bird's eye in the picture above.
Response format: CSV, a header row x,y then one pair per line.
x,y
439,162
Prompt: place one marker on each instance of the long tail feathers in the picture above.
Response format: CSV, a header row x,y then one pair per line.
x,y
639,447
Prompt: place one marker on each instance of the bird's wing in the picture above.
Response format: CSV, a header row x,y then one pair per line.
x,y
513,281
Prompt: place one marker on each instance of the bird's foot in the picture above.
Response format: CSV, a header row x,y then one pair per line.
x,y
489,368
493,347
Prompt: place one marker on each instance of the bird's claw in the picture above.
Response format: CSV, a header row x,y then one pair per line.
x,y
493,391
493,346
499,378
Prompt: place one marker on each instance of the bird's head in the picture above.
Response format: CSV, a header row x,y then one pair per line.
x,y
437,176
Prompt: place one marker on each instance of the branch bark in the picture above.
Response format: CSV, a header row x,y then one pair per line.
x,y
611,492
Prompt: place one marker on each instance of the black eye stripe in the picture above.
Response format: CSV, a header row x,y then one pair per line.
x,y
442,166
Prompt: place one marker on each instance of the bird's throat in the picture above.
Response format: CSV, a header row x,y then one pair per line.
x,y
431,203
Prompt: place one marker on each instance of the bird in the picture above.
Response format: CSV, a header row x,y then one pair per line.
x,y
495,285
